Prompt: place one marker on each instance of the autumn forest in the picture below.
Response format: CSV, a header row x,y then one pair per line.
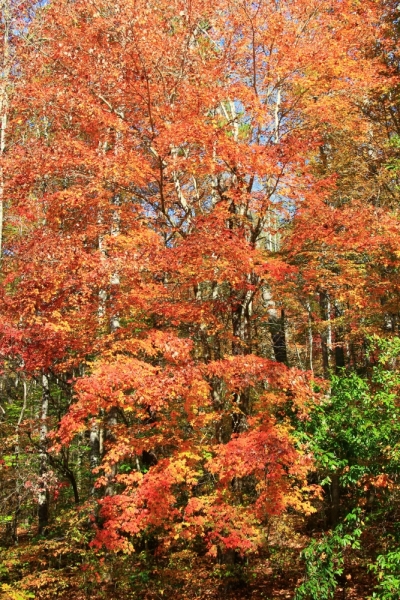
x,y
199,299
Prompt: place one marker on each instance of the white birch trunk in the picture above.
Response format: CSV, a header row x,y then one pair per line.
x,y
43,502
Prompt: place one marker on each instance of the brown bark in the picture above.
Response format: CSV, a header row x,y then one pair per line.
x,y
325,333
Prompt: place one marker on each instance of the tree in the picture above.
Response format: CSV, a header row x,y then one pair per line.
x,y
181,236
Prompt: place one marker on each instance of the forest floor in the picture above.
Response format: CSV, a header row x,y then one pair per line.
x,y
54,569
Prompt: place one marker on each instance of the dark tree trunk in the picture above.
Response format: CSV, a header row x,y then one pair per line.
x,y
277,329
339,348
326,332
276,323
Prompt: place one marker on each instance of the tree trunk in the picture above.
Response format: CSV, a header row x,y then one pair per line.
x,y
339,349
241,315
111,422
112,419
95,453
326,333
43,497
17,451
276,323
310,338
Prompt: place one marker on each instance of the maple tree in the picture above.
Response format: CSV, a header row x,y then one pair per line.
x,y
200,224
